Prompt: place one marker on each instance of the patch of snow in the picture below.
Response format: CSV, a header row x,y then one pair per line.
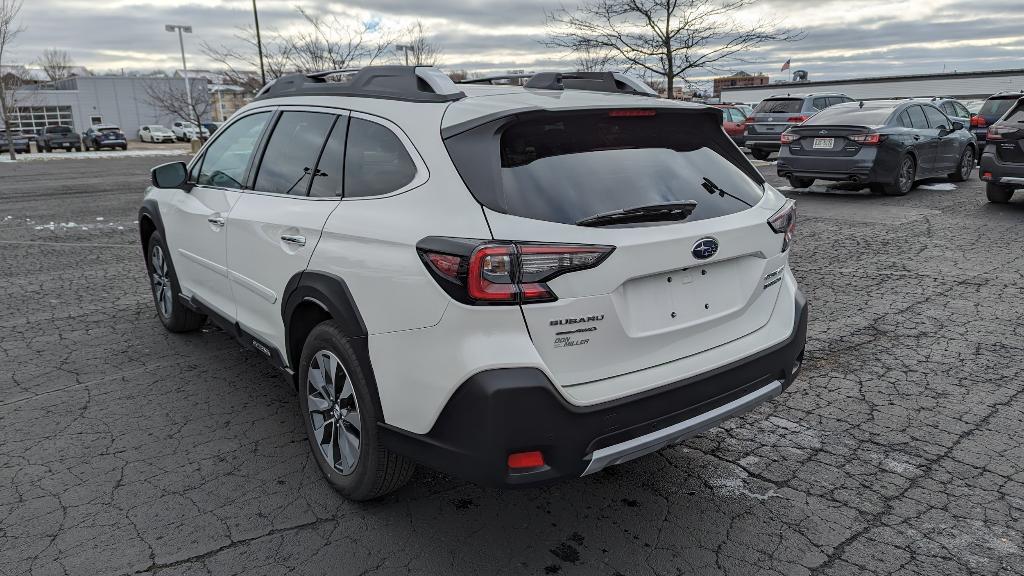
x,y
939,186
99,218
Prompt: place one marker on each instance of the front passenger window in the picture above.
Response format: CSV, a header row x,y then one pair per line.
x,y
227,157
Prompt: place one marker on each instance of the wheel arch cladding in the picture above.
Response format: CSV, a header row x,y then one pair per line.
x,y
149,222
312,297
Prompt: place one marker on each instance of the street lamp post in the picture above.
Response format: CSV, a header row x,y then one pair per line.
x,y
180,29
259,42
405,48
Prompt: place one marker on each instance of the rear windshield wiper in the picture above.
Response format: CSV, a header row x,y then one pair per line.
x,y
668,211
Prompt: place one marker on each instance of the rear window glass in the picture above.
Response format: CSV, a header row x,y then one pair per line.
x,y
1017,116
775,106
996,106
58,129
855,115
108,130
567,167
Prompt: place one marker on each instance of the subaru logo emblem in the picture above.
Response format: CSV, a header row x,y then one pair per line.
x,y
705,248
823,132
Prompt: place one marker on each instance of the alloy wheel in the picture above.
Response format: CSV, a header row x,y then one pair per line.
x,y
906,175
161,281
333,412
967,163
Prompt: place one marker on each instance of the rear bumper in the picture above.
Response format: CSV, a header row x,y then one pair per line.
x,y
859,168
111,144
762,141
1011,175
502,411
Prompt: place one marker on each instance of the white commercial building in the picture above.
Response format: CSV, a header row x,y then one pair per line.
x,y
964,85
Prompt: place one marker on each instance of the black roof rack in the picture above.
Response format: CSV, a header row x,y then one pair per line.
x,y
593,81
407,83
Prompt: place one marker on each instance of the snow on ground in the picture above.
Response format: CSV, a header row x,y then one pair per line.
x,y
95,154
938,186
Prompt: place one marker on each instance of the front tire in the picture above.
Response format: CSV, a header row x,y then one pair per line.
x,y
163,281
965,167
760,154
341,416
998,194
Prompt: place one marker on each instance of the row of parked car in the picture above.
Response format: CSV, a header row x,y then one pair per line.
x,y
886,145
102,136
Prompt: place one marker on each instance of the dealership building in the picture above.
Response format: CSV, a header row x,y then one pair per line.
x,y
84,101
963,85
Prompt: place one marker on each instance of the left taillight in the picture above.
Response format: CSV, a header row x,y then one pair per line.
x,y
784,222
788,137
480,272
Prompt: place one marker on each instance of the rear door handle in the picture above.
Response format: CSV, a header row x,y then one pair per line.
x,y
216,221
296,240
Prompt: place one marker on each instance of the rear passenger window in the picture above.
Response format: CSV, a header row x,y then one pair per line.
x,y
292,152
376,161
904,120
227,157
330,169
820,103
936,119
961,111
833,100
917,118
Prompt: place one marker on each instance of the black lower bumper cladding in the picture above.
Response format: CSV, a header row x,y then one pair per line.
x,y
499,412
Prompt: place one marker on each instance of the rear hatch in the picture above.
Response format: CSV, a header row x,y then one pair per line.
x,y
991,111
826,141
669,289
1009,140
773,115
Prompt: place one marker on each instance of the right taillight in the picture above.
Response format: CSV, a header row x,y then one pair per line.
x,y
978,121
481,272
784,222
869,139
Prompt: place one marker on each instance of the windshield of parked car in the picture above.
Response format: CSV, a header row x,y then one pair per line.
x,y
996,106
779,105
58,129
852,115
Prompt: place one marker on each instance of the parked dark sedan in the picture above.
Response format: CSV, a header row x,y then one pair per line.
x,y
104,136
887,144
21,145
1002,164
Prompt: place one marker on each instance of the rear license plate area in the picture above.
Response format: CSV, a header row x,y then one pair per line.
x,y
824,143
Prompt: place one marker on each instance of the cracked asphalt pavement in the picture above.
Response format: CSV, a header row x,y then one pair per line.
x,y
125,449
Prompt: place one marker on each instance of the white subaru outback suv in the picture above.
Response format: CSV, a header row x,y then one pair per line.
x,y
511,284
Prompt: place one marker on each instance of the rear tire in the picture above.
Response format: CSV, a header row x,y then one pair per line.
x,y
341,416
965,166
163,282
760,154
797,182
905,179
998,194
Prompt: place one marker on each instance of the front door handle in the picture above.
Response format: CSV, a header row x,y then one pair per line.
x,y
296,240
916,137
216,221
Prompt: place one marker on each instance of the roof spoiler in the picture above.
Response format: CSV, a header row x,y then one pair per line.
x,y
406,83
615,82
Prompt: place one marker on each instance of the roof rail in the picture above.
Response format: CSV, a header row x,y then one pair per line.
x,y
407,83
593,81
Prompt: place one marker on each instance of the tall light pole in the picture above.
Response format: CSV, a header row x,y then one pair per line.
x,y
259,42
405,48
180,29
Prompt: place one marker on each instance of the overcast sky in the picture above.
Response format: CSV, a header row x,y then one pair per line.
x,y
844,38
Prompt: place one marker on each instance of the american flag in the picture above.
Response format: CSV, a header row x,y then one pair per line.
x,y
785,66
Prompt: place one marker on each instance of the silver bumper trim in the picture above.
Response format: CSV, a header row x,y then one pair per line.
x,y
654,441
1011,180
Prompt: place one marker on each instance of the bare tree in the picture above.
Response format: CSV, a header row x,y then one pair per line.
x,y
593,59
459,75
331,43
422,50
665,37
240,66
56,64
9,83
168,95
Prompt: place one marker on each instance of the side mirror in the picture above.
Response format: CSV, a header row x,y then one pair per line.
x,y
172,175
958,125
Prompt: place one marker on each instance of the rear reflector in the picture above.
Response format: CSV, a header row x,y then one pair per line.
x,y
524,460
631,113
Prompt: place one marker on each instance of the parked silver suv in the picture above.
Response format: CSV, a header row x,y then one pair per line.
x,y
775,114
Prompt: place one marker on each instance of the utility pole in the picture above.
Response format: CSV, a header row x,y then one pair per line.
x,y
180,29
405,48
259,42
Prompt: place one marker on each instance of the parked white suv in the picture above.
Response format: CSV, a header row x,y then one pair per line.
x,y
510,284
186,131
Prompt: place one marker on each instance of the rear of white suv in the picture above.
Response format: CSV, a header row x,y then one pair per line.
x,y
510,285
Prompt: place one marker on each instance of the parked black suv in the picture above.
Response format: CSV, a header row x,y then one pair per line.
x,y
1002,164
991,111
59,138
